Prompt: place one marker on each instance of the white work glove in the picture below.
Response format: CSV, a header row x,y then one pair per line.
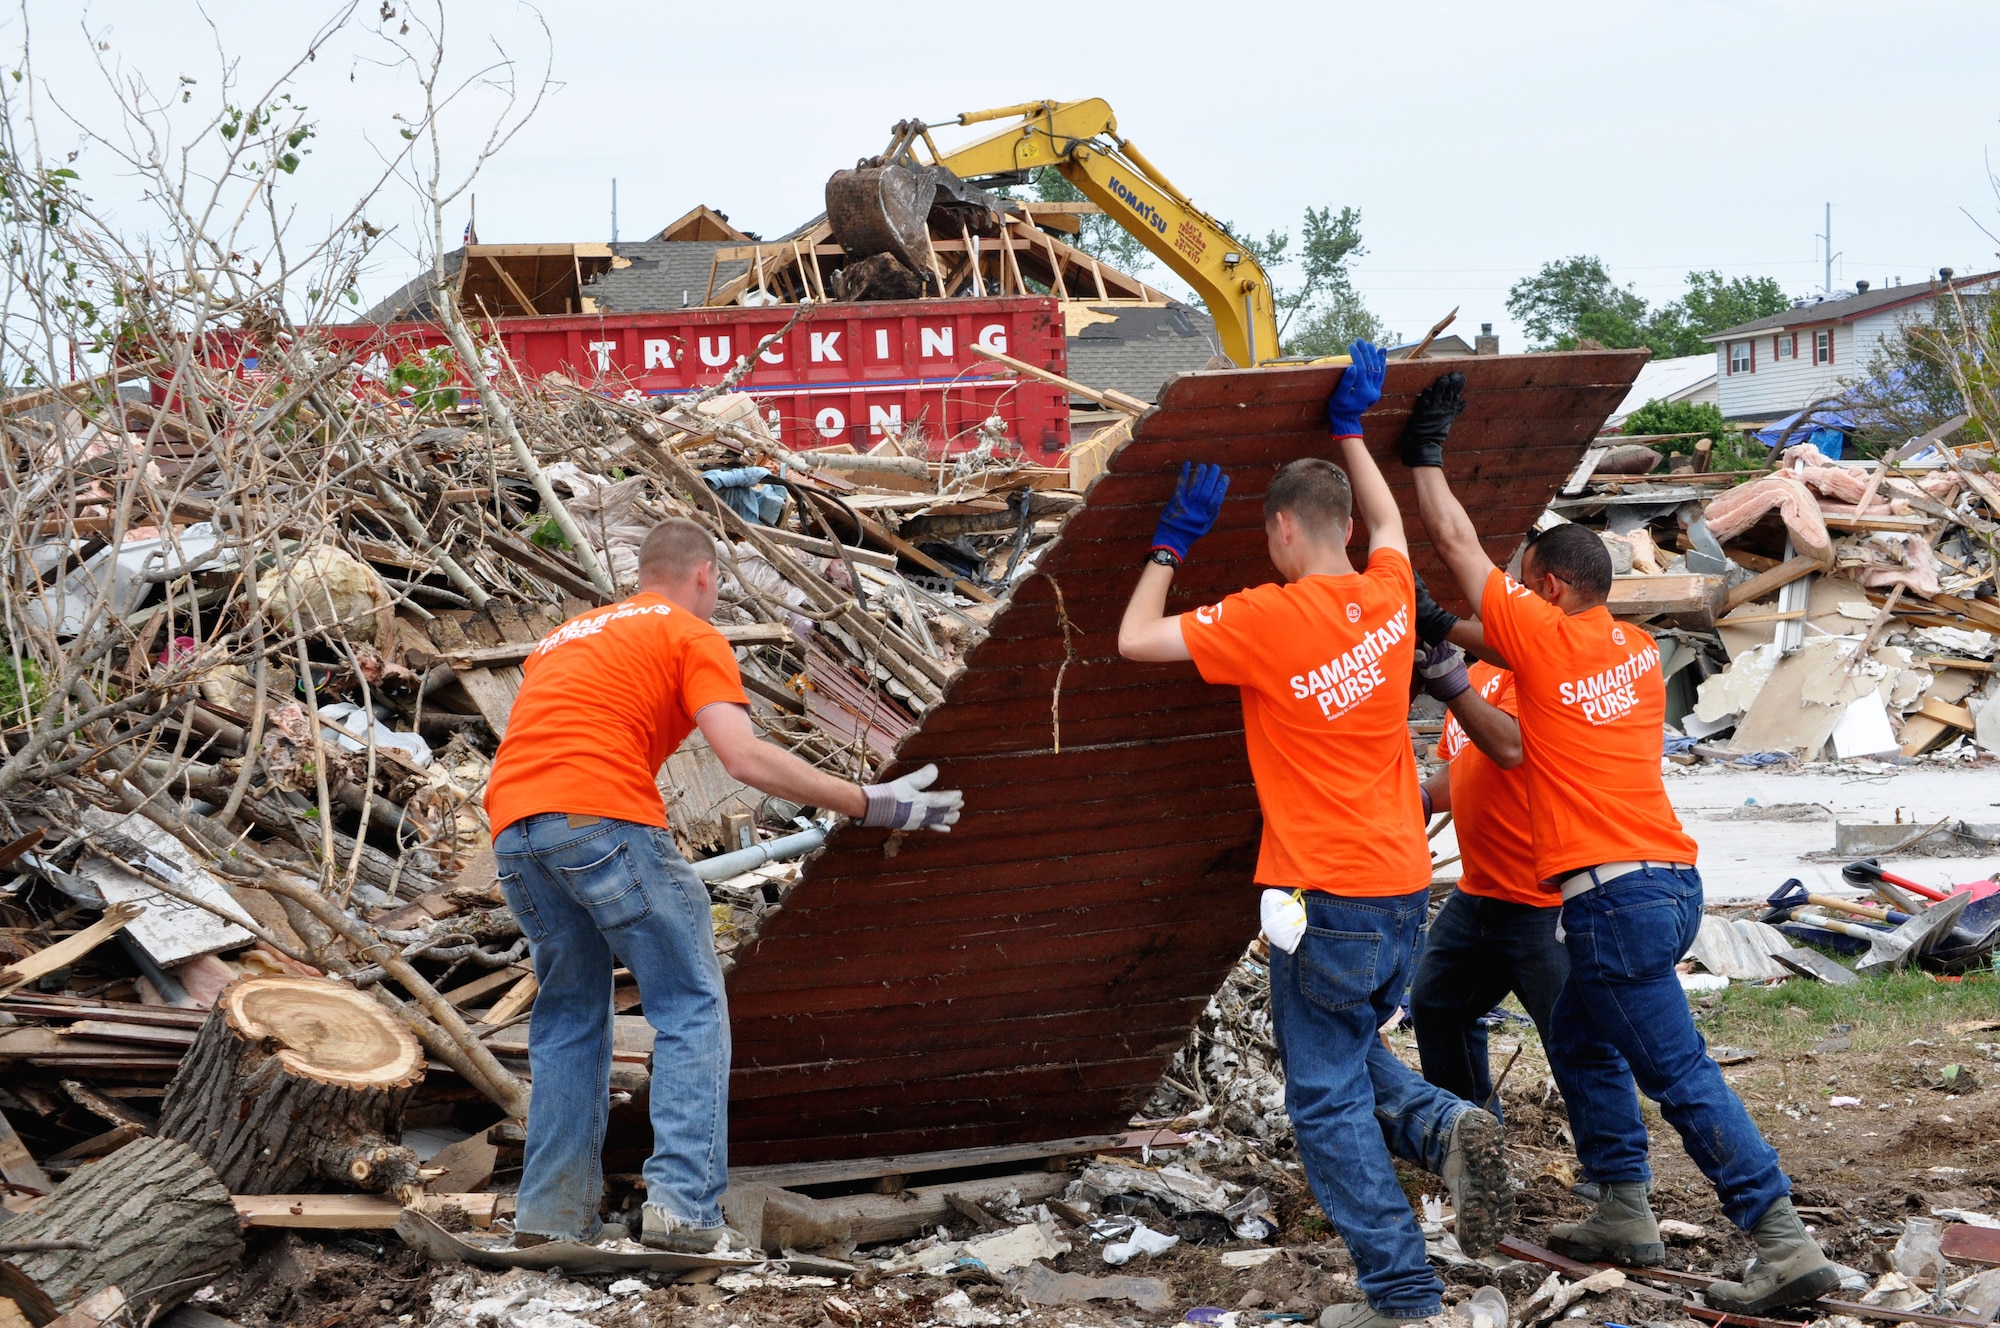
x,y
903,804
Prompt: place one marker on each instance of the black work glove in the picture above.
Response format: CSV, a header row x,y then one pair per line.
x,y
1430,420
1434,621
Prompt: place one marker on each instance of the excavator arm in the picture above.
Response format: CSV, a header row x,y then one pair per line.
x,y
1080,140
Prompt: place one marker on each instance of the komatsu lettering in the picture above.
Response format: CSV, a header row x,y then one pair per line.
x,y
1147,213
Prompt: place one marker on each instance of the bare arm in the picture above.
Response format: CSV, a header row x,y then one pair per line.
x,y
1148,633
1469,635
769,767
1492,730
1439,787
1452,533
1372,498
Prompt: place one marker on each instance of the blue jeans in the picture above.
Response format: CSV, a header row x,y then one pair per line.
x,y
1477,951
1352,1103
1622,1017
589,898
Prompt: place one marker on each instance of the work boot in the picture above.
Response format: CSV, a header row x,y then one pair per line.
x,y
1360,1314
1789,1268
661,1230
1475,1171
1622,1230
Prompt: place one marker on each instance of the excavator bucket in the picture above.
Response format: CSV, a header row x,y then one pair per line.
x,y
883,210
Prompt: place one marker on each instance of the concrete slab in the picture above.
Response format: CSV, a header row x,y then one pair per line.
x,y
1754,825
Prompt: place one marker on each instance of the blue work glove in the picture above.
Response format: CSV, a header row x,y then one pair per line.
x,y
1442,668
1360,387
1193,508
1430,420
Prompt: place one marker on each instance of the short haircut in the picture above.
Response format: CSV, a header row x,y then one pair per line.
x,y
1314,492
1572,553
673,549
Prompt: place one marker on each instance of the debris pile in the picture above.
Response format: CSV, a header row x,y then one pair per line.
x,y
258,658
1813,609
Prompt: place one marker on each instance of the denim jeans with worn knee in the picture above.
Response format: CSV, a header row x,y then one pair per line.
x,y
1622,1017
588,898
1353,1104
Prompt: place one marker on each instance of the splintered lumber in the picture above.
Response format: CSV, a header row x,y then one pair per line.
x,y
17,1164
1772,580
30,1303
70,949
297,1079
154,1216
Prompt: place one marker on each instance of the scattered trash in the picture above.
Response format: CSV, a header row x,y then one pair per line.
x,y
1142,1240
1040,1285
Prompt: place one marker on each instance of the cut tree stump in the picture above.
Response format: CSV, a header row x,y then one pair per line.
x,y
158,1222
298,1079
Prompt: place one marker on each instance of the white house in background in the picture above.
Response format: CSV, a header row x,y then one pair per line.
x,y
1769,367
1683,378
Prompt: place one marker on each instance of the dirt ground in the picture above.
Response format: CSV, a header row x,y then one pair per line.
x,y
1924,1063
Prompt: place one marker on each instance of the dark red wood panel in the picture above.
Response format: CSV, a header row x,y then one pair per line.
x,y
1028,976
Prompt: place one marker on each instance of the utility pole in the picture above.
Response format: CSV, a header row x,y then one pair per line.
x,y
614,209
1826,287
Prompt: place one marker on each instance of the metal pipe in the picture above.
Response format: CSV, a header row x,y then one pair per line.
x,y
725,865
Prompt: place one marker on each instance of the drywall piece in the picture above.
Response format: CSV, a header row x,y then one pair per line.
x,y
1732,691
1864,729
1802,702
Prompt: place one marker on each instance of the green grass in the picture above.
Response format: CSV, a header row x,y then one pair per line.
x,y
1885,1010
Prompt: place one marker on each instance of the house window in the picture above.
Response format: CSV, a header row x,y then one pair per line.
x,y
1739,357
1823,346
1785,346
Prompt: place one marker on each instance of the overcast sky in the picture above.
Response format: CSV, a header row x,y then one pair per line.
x,y
1478,140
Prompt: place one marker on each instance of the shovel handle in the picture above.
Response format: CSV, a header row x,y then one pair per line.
x,y
1858,910
1869,868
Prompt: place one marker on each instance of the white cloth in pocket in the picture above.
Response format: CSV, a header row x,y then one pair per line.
x,y
1284,917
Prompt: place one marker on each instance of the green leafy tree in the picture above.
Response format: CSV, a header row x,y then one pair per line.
x,y
1696,420
1573,299
1713,304
1321,312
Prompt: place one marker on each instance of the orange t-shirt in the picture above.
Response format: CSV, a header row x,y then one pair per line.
x,y
605,700
1593,707
1324,665
1489,806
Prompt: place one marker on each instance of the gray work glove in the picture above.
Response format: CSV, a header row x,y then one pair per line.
x,y
904,804
1442,668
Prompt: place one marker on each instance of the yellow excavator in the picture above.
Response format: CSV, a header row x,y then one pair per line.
x,y
883,204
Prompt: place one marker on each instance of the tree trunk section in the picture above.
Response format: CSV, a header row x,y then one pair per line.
x,y
159,1223
298,1080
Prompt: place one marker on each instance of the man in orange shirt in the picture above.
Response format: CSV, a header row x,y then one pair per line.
x,y
1322,660
588,868
1495,933
1592,710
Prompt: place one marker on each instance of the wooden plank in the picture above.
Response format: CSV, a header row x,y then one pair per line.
x,y
1957,716
70,949
351,1212
1692,597
17,1164
793,1175
1773,580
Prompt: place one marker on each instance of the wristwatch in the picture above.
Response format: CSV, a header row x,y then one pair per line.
x,y
1164,557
